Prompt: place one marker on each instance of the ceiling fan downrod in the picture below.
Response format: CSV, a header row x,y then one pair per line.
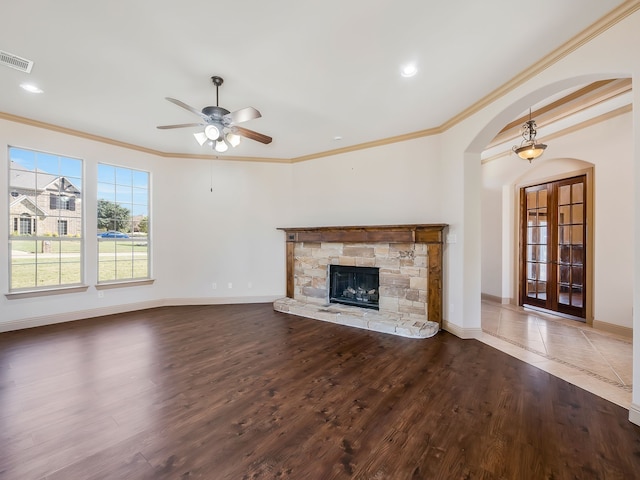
x,y
217,81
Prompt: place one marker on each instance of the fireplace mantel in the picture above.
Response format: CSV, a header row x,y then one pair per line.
x,y
429,234
419,233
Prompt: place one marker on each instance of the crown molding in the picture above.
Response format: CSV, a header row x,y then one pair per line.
x,y
116,143
568,130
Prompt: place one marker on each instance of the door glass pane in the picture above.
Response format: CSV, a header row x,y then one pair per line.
x,y
542,290
565,254
576,255
564,195
532,217
576,275
576,234
542,235
542,271
563,294
532,199
536,235
542,198
577,192
576,213
576,297
542,216
564,273
564,235
542,253
564,215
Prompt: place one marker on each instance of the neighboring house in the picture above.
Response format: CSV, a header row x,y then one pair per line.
x,y
43,204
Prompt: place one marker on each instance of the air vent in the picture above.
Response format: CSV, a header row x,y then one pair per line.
x,y
13,61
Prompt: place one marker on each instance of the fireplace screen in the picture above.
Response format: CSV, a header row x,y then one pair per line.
x,y
354,286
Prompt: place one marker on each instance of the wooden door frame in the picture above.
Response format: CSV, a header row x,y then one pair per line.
x,y
589,253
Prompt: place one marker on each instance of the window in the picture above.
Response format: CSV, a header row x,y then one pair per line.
x,y
123,224
62,227
62,202
26,224
45,219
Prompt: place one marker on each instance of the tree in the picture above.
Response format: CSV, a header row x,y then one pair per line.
x,y
143,226
112,216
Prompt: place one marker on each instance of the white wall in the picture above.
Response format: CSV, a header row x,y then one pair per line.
x,y
228,235
491,241
388,185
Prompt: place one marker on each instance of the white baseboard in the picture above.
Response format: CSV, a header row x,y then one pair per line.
x,y
613,328
634,414
464,333
500,300
130,307
172,302
77,315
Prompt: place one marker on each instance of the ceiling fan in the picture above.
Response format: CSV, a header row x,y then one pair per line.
x,y
221,129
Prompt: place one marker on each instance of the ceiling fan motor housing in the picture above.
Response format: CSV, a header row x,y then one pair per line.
x,y
216,118
216,114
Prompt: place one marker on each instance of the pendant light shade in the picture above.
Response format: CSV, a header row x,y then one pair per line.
x,y
529,149
212,132
221,146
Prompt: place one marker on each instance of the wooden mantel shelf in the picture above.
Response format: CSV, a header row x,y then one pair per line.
x,y
419,233
430,234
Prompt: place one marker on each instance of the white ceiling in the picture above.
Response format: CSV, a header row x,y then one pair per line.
x,y
316,70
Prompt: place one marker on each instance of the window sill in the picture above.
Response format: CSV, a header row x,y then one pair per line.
x,y
124,283
44,293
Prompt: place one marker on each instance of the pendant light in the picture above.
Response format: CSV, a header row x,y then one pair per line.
x,y
529,149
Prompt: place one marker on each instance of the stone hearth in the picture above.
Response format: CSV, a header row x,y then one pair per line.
x,y
410,261
358,317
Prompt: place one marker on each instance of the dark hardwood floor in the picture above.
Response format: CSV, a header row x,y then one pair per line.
x,y
243,392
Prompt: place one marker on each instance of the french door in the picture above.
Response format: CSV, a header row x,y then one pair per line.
x,y
552,246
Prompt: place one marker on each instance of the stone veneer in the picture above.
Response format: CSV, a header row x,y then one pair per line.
x,y
403,274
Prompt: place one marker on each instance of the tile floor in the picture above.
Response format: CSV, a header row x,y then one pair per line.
x,y
596,361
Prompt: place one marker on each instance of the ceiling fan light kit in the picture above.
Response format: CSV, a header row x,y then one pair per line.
x,y
212,132
220,125
529,149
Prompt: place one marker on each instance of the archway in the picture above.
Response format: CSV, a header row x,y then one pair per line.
x,y
562,157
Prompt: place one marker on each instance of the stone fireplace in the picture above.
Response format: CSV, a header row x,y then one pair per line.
x,y
406,259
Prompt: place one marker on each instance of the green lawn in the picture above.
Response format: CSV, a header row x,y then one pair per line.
x,y
58,261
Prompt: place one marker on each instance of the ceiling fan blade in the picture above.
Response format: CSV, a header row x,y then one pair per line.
x,y
243,115
187,107
244,132
181,125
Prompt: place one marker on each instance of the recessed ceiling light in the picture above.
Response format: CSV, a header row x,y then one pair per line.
x,y
337,137
30,88
409,70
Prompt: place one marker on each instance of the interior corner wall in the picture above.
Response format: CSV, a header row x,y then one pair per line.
x,y
491,242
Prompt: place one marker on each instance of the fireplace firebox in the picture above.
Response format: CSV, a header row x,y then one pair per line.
x,y
358,286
